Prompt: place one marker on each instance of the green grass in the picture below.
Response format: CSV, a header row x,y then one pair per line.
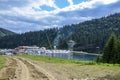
x,y
57,60
109,66
2,61
67,61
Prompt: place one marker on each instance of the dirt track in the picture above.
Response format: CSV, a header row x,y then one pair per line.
x,y
21,69
24,69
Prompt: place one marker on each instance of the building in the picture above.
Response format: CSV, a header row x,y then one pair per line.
x,y
24,49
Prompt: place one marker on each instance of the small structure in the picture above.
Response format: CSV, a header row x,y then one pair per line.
x,y
24,49
71,44
7,51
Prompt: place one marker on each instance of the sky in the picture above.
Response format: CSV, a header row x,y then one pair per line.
x,y
32,15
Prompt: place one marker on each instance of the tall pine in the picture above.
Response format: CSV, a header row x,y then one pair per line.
x,y
118,51
110,50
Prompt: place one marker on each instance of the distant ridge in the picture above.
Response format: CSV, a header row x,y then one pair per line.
x,y
4,32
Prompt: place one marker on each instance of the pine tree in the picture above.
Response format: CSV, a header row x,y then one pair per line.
x,y
118,51
110,50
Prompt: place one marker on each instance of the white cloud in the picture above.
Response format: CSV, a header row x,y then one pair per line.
x,y
38,3
106,1
28,19
86,4
70,2
29,12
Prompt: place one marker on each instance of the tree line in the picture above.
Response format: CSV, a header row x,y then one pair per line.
x,y
38,38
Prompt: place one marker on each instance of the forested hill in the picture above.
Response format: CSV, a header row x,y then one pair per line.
x,y
4,32
89,35
40,38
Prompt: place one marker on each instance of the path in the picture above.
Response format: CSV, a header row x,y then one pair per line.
x,y
25,69
22,69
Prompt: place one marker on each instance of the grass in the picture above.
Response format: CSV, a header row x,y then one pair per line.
x,y
57,60
67,61
2,61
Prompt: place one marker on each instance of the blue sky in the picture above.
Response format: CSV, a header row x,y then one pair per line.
x,y
31,15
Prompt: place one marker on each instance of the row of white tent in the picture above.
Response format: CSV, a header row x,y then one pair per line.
x,y
39,51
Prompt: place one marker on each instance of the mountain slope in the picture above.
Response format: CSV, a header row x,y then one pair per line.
x,y
89,36
92,35
4,32
42,38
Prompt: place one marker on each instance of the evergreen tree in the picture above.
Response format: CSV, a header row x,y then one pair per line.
x,y
118,51
62,43
110,50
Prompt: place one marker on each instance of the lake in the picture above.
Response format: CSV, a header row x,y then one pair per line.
x,y
80,56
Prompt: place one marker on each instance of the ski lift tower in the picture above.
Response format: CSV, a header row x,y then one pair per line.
x,y
71,44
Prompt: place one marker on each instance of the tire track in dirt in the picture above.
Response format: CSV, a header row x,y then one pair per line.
x,y
22,69
8,72
41,73
35,74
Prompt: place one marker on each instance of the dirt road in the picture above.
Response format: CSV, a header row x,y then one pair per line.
x,y
25,69
21,69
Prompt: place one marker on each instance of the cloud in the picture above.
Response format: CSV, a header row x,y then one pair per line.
x,y
109,1
88,4
30,15
8,4
70,2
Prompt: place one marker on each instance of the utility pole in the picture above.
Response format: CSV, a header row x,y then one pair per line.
x,y
71,44
52,54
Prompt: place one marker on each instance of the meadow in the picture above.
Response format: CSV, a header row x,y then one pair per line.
x,y
70,61
2,61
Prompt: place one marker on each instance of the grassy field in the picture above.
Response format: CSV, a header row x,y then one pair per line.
x,y
2,61
57,60
66,61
